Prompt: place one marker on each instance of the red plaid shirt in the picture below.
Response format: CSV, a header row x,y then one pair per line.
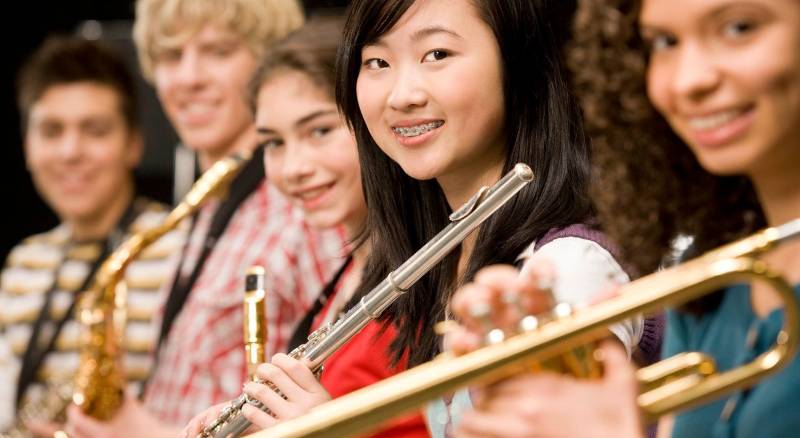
x,y
202,362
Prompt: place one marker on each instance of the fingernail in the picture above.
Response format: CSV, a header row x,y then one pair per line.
x,y
495,336
510,298
444,327
529,323
479,310
562,310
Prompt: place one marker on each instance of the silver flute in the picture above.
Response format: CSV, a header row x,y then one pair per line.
x,y
327,339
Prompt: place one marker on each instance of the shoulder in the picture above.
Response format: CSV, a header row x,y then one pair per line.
x,y
149,214
39,251
577,258
584,269
152,214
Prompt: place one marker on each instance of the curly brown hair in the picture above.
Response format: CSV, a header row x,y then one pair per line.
x,y
648,186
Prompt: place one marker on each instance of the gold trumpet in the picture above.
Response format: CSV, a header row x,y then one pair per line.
x,y
100,381
677,383
255,319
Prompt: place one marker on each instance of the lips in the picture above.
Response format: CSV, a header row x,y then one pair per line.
x,y
312,197
413,133
196,112
717,128
418,129
72,183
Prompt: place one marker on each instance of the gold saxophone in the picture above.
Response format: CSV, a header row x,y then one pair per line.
x,y
100,381
255,319
676,383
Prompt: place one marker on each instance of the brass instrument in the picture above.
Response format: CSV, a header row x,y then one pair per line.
x,y
51,407
255,319
677,383
326,340
100,381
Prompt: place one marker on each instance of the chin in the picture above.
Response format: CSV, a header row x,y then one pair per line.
x,y
321,221
723,167
420,173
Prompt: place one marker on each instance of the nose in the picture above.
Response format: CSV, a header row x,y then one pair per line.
x,y
189,70
297,163
70,145
408,90
696,73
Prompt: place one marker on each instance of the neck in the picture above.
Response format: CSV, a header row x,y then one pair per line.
x,y
246,141
352,229
459,187
779,195
100,225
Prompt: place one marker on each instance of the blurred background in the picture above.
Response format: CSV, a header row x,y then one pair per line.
x,y
110,20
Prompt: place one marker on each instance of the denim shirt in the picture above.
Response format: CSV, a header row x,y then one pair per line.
x,y
733,334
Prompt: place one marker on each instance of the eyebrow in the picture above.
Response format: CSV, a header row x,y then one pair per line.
x,y
715,12
422,34
302,121
433,30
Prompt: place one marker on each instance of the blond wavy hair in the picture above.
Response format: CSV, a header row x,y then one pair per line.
x,y
164,24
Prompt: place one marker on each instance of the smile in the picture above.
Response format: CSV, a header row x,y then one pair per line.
x,y
313,193
417,130
722,127
713,121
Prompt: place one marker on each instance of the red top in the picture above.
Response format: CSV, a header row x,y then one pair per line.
x,y
365,360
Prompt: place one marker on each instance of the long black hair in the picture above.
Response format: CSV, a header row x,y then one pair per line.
x,y
542,128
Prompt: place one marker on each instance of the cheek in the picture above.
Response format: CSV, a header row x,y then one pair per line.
x,y
33,156
112,160
367,93
341,157
162,84
657,88
273,163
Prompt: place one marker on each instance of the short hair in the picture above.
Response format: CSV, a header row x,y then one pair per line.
x,y
310,50
161,24
63,60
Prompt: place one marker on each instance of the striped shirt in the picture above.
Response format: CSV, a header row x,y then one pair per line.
x,y
53,261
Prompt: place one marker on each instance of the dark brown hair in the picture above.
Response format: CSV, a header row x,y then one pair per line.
x,y
542,129
65,60
648,186
311,50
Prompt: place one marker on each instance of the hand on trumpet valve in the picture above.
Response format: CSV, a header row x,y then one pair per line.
x,y
500,301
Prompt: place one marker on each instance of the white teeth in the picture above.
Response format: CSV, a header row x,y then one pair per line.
x,y
198,108
714,120
413,131
312,193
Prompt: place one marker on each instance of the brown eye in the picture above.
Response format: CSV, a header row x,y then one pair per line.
x,y
738,28
375,64
661,42
272,143
435,55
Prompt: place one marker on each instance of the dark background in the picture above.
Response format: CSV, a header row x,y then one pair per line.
x,y
24,211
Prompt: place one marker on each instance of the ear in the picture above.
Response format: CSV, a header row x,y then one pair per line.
x,y
135,149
